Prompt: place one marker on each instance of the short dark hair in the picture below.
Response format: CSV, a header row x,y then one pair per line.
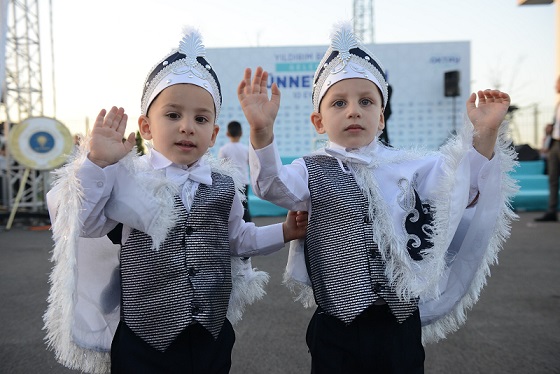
x,y
234,129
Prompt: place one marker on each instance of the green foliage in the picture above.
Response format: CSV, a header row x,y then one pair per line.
x,y
140,144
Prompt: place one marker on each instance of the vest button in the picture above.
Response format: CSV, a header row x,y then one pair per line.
x,y
192,272
196,310
377,287
367,219
189,230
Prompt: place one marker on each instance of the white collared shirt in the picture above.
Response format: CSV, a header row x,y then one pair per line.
x,y
100,184
287,185
189,188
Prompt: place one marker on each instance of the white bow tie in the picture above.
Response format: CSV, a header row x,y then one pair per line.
x,y
200,174
350,157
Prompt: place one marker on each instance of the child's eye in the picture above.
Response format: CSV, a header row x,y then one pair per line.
x,y
339,103
201,119
173,115
366,102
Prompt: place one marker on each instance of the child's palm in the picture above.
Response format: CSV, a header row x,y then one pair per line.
x,y
107,145
259,110
491,110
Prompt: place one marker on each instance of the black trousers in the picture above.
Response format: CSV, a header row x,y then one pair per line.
x,y
373,343
193,352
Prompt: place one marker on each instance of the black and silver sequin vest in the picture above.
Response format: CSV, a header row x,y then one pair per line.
x,y
188,280
343,261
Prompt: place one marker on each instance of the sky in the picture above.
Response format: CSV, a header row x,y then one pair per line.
x,y
104,49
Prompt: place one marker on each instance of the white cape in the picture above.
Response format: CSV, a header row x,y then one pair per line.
x,y
84,299
466,241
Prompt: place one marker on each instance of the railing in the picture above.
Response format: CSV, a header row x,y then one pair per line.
x,y
527,124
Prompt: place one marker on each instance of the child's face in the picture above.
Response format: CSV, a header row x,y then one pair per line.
x,y
350,113
181,123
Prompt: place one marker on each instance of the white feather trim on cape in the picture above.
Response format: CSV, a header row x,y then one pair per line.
x,y
80,321
453,271
480,236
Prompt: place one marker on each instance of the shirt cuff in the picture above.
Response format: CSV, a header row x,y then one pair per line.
x,y
97,182
480,166
264,162
270,239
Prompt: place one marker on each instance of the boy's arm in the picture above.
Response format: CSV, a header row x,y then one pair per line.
x,y
283,185
82,192
106,145
93,179
247,239
258,109
487,118
97,185
270,180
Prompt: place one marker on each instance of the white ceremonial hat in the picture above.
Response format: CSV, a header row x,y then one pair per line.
x,y
186,64
347,58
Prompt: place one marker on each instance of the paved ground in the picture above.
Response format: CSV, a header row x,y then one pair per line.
x,y
515,327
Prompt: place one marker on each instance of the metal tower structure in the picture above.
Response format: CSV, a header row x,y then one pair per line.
x,y
363,21
22,97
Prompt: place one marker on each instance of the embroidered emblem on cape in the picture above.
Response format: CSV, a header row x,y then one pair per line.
x,y
417,222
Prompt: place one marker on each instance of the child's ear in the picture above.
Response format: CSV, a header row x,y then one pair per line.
x,y
317,120
144,127
214,135
381,124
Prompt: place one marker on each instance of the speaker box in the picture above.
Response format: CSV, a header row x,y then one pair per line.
x,y
451,83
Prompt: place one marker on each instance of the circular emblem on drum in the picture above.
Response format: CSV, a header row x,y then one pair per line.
x,y
40,143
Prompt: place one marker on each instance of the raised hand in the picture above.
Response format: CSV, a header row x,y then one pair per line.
x,y
259,110
491,110
106,145
487,117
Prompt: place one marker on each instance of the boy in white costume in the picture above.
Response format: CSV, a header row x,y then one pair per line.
x,y
396,238
143,245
